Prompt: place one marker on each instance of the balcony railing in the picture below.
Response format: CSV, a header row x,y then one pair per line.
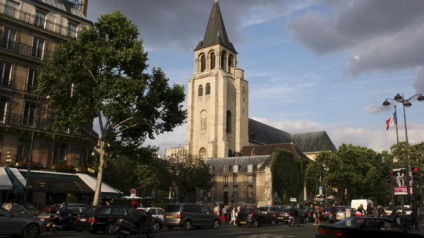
x,y
23,49
20,120
37,21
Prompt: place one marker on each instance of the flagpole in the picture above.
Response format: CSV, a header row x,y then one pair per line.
x,y
397,131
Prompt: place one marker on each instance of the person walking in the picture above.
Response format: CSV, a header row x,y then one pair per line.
x,y
360,211
317,214
233,215
370,210
333,213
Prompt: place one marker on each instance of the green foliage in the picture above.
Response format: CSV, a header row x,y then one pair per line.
x,y
286,175
100,75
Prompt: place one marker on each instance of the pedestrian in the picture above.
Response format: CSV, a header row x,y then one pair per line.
x,y
216,209
224,213
317,214
333,213
233,215
8,206
360,211
370,210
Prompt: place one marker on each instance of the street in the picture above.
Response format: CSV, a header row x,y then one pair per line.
x,y
281,230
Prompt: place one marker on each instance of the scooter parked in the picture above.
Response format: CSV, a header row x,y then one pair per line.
x,y
143,225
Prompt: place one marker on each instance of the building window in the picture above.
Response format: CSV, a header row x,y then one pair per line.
x,y
23,150
208,89
32,80
200,90
250,168
250,180
60,151
230,62
212,59
203,121
211,168
202,153
235,168
3,109
40,19
29,114
5,73
225,180
223,58
226,169
8,40
11,8
37,47
72,30
202,63
235,180
228,129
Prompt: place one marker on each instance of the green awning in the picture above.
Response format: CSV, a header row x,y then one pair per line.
x,y
17,179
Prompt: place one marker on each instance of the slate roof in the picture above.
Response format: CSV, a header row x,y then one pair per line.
x,y
262,134
217,165
313,141
215,31
270,149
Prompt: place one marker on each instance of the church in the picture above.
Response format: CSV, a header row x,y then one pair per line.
x,y
237,149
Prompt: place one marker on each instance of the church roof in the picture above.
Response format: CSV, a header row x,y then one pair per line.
x,y
270,149
215,32
260,133
313,141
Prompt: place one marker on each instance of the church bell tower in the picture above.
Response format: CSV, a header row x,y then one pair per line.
x,y
217,118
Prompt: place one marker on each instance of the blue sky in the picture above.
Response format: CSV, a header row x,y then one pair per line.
x,y
311,65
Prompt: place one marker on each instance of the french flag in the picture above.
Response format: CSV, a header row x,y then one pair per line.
x,y
392,120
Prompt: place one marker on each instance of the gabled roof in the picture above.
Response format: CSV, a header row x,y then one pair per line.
x,y
313,141
271,148
260,133
215,32
217,165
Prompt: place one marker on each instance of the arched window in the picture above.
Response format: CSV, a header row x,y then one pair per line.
x,y
202,153
228,129
203,120
223,58
208,89
200,90
212,60
202,63
230,61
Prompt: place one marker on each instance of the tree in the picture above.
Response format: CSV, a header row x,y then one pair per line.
x,y
101,76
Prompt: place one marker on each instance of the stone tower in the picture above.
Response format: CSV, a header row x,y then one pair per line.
x,y
217,120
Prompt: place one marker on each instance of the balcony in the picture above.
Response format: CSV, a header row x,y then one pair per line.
x,y
37,21
23,49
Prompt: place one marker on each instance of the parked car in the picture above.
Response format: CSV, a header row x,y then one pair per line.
x,y
255,217
340,213
74,207
101,218
157,214
364,227
188,215
10,224
283,215
18,210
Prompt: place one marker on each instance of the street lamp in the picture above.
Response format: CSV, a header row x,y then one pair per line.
x,y
407,103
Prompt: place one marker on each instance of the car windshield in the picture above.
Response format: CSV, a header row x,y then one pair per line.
x,y
173,208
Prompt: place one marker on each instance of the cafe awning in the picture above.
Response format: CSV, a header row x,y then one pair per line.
x,y
106,190
5,183
18,181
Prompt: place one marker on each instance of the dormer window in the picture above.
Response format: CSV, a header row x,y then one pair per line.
x,y
235,168
250,168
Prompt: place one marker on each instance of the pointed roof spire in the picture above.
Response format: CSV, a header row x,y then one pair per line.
x,y
215,31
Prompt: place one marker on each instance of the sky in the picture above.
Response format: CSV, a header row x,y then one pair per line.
x,y
311,65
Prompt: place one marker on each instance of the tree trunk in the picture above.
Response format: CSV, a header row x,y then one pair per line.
x,y
99,180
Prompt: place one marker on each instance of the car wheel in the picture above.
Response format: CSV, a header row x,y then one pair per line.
x,y
150,233
215,224
110,228
30,231
156,226
255,223
273,223
187,225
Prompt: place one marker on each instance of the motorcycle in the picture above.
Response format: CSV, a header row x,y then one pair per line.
x,y
124,227
292,221
58,221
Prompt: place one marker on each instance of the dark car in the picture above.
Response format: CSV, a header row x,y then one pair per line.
x,y
364,227
283,215
10,224
102,218
255,217
188,215
18,210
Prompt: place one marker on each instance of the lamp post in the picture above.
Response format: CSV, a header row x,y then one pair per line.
x,y
406,102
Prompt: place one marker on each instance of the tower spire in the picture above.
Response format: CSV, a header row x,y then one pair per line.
x,y
215,31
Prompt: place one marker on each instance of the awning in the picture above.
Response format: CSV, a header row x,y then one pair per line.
x,y
17,179
5,183
106,190
57,182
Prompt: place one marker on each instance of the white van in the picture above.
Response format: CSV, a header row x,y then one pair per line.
x,y
356,202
